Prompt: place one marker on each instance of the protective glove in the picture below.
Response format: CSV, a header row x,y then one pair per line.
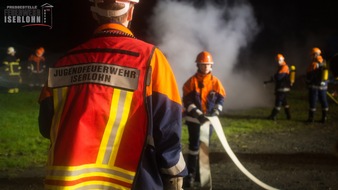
x,y
202,119
322,83
214,112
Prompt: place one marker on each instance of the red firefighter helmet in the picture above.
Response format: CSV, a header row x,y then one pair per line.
x,y
204,58
40,51
106,12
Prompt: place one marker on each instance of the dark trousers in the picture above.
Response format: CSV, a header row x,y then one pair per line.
x,y
314,96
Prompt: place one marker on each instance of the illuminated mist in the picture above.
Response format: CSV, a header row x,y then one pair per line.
x,y
182,31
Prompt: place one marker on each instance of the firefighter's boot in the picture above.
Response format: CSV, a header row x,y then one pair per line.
x,y
311,117
273,115
287,113
189,180
324,116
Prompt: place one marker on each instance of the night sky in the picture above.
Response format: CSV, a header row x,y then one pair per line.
x,y
281,22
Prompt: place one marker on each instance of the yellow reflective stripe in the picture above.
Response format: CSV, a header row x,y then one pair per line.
x,y
119,112
99,185
109,126
125,111
90,170
59,98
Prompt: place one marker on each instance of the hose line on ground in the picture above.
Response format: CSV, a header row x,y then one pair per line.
x,y
219,131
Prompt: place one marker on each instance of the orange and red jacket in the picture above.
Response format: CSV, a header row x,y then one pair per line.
x,y
314,72
203,92
36,64
116,115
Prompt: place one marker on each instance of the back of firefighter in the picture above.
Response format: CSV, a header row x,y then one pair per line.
x,y
112,111
37,68
11,72
282,87
203,94
317,82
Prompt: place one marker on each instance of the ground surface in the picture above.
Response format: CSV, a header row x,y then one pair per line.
x,y
292,159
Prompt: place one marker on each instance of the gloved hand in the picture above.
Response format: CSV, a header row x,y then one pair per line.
x,y
322,83
202,119
214,112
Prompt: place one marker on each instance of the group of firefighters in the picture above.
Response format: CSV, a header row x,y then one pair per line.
x,y
125,132
14,73
317,79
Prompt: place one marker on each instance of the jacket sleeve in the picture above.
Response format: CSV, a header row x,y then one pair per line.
x,y
167,117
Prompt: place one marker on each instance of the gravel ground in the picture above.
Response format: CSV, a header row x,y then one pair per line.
x,y
293,159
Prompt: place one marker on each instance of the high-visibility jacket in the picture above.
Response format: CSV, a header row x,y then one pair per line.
x,y
12,66
282,78
204,92
117,115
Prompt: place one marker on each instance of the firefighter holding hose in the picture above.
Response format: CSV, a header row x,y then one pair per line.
x,y
203,94
283,80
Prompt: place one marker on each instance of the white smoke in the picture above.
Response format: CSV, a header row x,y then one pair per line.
x,y
184,30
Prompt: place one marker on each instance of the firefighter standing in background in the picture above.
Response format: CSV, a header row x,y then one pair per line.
x,y
37,68
203,94
11,71
317,81
282,87
112,111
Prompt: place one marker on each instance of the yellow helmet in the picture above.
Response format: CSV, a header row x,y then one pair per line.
x,y
204,58
10,50
105,12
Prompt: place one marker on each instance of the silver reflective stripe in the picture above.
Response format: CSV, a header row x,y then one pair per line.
x,y
176,169
283,89
191,119
105,74
191,107
318,87
115,128
219,107
191,152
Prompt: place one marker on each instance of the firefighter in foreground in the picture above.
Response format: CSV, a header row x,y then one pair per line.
x,y
282,87
37,68
112,111
317,82
203,94
11,72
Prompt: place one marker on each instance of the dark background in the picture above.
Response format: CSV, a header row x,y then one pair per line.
x,y
280,21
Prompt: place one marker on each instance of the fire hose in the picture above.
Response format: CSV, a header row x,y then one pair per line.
x,y
219,131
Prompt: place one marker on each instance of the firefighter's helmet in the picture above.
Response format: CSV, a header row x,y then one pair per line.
x,y
106,12
204,58
40,51
10,50
279,57
316,51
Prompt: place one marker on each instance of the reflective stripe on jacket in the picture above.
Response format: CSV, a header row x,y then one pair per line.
x,y
105,108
